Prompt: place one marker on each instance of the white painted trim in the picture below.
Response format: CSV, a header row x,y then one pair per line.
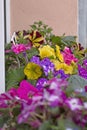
x,y
82,22
2,61
7,21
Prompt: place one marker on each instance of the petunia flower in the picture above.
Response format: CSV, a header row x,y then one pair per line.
x,y
26,90
36,38
32,71
74,103
18,48
82,71
68,69
59,54
35,59
60,73
68,56
85,63
47,51
47,65
41,83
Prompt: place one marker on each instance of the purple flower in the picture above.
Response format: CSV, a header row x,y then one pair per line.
x,y
28,109
47,66
41,83
35,59
85,63
80,119
82,71
54,94
60,73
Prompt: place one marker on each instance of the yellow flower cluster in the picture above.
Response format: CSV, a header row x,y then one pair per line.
x,y
47,51
33,71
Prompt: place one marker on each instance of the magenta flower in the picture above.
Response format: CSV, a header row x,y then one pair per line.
x,y
80,119
18,48
10,95
68,56
85,88
26,90
13,92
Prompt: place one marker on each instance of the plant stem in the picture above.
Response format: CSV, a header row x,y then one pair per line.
x,y
18,61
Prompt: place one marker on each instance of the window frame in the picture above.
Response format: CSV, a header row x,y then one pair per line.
x,y
2,41
82,22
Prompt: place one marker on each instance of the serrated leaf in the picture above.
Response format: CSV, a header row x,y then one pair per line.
x,y
13,77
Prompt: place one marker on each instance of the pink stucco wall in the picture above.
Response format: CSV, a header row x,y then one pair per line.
x,y
61,15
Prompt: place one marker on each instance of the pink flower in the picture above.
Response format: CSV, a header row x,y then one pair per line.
x,y
26,90
18,48
68,56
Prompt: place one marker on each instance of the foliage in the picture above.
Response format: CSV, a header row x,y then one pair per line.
x,y
46,82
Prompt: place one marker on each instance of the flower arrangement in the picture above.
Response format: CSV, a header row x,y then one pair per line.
x,y
46,82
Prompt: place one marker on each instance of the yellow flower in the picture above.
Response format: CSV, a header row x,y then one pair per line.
x,y
47,51
68,69
58,54
32,71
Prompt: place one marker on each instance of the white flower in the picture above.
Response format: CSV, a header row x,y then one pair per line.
x,y
74,104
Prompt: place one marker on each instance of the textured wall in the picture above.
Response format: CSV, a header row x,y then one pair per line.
x,y
61,15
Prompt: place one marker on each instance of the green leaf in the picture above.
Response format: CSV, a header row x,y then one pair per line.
x,y
49,30
13,77
23,127
16,111
33,27
45,126
33,82
70,124
61,124
3,119
76,82
68,40
33,51
56,39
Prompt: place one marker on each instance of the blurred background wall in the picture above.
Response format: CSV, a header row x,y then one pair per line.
x,y
61,15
